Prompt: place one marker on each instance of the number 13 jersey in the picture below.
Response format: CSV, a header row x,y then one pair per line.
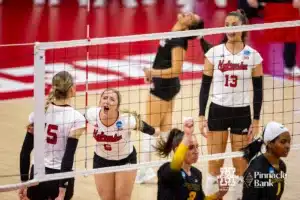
x,y
232,75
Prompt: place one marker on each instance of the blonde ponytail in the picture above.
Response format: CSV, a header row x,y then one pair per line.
x,y
139,122
49,100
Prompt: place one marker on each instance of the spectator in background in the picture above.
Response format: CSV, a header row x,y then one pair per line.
x,y
187,5
282,10
56,2
221,3
97,3
126,3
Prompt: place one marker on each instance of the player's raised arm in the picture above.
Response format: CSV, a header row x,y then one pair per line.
x,y
171,66
175,177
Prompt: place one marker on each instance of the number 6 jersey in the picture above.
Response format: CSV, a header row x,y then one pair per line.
x,y
60,121
113,142
232,75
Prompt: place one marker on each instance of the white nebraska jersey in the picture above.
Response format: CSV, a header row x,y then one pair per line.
x,y
113,142
60,121
232,75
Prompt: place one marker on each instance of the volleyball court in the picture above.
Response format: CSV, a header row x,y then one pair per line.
x,y
128,56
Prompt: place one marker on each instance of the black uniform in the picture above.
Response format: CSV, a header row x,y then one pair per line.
x,y
177,185
49,189
262,181
167,88
44,190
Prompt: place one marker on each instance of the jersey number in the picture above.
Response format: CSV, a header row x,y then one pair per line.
x,y
192,195
278,189
107,147
231,81
52,134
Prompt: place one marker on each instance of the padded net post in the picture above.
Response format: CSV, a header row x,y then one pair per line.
x,y
39,111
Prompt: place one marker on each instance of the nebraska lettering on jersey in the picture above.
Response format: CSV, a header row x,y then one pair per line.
x,y
232,75
229,66
105,138
113,142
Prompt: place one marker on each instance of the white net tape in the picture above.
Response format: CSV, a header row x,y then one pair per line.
x,y
158,36
136,38
50,177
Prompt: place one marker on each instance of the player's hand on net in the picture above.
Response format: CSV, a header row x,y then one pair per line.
x,y
203,126
253,3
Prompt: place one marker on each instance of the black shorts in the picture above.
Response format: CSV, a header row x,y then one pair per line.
x,y
100,162
238,119
49,189
165,89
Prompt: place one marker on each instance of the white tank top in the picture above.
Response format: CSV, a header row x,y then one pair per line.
x,y
113,142
232,76
60,121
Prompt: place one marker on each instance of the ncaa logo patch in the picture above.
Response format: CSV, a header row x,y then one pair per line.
x,y
246,54
119,125
271,170
183,174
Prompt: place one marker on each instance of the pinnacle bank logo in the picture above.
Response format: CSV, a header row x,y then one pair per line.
x,y
260,180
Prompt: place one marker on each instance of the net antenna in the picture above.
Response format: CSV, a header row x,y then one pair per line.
x,y
39,96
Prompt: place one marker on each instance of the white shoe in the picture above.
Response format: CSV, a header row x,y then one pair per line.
x,y
130,3
293,72
54,2
144,175
189,6
99,3
221,3
148,2
181,2
39,2
82,2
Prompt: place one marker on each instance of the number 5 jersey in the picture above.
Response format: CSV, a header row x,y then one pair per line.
x,y
60,121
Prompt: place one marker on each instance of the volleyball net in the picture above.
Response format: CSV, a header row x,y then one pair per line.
x,y
118,62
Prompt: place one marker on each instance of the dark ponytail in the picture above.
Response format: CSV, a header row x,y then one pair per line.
x,y
252,149
164,148
196,26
